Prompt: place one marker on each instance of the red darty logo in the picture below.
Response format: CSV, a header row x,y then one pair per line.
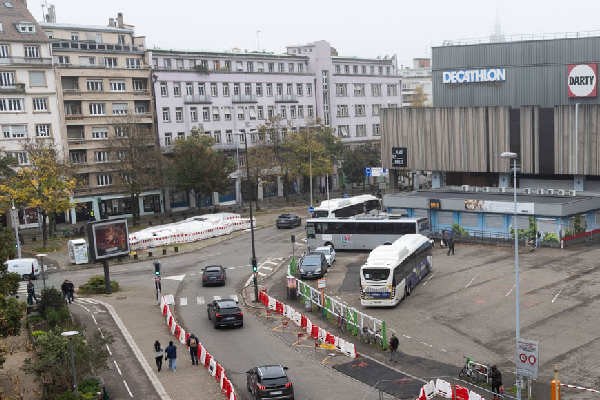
x,y
581,80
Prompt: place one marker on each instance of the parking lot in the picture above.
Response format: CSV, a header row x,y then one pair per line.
x,y
467,307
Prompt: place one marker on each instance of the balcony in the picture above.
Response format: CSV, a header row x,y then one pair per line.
x,y
70,117
197,99
243,98
26,60
286,98
94,47
16,88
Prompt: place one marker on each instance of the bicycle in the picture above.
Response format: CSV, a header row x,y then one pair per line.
x,y
474,371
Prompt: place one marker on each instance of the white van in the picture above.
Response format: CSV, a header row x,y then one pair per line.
x,y
23,267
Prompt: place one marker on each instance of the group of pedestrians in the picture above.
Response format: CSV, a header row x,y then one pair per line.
x,y
170,353
68,290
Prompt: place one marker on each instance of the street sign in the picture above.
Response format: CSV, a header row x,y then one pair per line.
x,y
528,359
311,209
367,172
322,283
375,171
399,157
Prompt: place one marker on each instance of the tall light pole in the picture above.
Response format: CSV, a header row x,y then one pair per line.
x,y
41,257
509,155
15,221
253,260
69,335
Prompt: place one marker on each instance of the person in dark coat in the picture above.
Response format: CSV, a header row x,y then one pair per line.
x,y
394,342
63,289
158,355
70,288
496,378
31,293
450,243
192,342
171,356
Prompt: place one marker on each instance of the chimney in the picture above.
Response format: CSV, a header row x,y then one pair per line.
x,y
51,17
120,19
111,22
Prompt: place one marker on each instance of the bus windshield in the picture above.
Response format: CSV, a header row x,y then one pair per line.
x,y
376,274
320,214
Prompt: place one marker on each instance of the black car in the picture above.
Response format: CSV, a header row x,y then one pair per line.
x,y
213,275
225,312
313,265
288,221
269,382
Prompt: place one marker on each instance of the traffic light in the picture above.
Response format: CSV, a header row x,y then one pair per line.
x,y
254,265
156,268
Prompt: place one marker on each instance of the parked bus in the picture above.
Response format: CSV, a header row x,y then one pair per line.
x,y
361,233
392,271
347,207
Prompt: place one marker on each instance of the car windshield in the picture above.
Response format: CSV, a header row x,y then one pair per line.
x,y
311,260
376,274
272,372
228,304
282,380
285,216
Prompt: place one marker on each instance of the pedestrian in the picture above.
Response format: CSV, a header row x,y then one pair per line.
x,y
450,243
31,293
70,291
158,355
171,356
393,347
63,289
193,345
496,377
538,239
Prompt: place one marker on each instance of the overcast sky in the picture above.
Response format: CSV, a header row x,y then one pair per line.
x,y
355,28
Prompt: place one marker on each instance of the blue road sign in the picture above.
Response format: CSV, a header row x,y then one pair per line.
x,y
367,171
311,209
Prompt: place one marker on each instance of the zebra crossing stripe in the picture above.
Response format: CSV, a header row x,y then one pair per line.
x,y
267,268
216,297
183,301
200,300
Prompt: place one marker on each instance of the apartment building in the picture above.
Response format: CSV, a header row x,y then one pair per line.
x,y
227,94
28,105
419,75
103,79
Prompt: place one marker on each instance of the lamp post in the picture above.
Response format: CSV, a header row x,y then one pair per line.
x,y
69,335
41,257
15,221
253,260
509,155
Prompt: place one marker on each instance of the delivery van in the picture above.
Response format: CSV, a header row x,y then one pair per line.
x,y
24,267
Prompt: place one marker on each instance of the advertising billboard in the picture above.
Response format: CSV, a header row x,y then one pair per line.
x,y
108,239
582,80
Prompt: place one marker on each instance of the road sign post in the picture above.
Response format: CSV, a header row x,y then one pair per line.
x,y
528,358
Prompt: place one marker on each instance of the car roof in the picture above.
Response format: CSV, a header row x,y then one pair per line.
x,y
314,255
323,248
210,268
271,371
287,215
226,303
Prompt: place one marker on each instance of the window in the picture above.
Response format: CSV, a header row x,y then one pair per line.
x,y
310,110
363,69
281,67
271,67
343,130
360,110
259,89
168,138
227,65
119,108
289,89
74,36
359,89
32,51
140,85
300,67
104,179
179,63
270,112
121,155
338,68
269,89
78,156
42,130
249,66
342,110
121,131
300,111
355,69
40,104
248,89
283,112
279,89
99,132
380,70
376,89
133,63
121,39
291,67
194,114
341,89
163,89
7,78
376,130
37,79
110,62
392,90
166,114
86,61
189,88
227,113
180,135
376,108
372,69
14,131
216,116
388,70
101,156
11,105
260,112
4,51
94,85
63,60
293,112
216,65
226,89
240,113
26,28
260,66
176,89
236,89
21,157
239,66
201,91
117,86
178,114
205,114
299,90
167,63
141,108
361,130
217,136
346,69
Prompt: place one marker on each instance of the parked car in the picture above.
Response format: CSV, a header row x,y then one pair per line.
x,y
313,265
329,253
269,382
225,312
26,267
213,275
288,221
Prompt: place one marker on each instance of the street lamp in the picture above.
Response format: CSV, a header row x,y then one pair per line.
x,y
41,257
253,261
15,221
69,335
513,156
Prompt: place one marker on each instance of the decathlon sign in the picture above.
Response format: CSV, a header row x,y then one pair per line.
x,y
581,80
474,75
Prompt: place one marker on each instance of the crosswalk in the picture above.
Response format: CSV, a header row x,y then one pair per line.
x,y
202,300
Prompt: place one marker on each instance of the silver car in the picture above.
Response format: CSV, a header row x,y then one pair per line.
x,y
328,252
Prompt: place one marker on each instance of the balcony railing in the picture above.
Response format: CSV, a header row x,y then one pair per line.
x,y
16,88
286,98
197,99
244,98
25,60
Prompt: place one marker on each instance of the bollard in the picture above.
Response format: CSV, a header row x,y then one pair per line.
x,y
176,249
555,386
164,252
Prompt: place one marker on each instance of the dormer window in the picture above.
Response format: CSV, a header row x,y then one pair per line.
x,y
26,27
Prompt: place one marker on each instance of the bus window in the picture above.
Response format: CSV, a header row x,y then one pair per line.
x,y
376,274
310,230
320,214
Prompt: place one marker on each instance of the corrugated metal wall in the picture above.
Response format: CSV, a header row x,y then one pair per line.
x,y
536,72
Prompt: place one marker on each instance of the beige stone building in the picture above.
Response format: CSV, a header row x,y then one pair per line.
x,y
102,79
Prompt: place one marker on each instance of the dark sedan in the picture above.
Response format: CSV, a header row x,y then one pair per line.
x,y
225,312
213,275
288,221
269,382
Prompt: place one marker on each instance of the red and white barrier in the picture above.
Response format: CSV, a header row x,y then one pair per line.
x,y
579,388
206,359
444,389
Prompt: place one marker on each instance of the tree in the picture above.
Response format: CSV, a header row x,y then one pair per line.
x,y
195,165
356,158
419,98
138,159
45,184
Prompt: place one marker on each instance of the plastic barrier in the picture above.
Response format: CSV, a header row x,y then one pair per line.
x,y
206,359
445,389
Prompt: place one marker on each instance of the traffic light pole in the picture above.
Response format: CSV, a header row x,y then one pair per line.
x,y
253,261
157,284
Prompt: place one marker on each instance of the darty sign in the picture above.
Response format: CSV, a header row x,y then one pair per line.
x,y
474,75
582,80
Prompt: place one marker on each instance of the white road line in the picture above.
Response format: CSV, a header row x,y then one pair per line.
x,y
267,268
248,281
261,273
94,318
108,349
444,350
127,387
175,277
101,334
557,294
269,262
510,291
183,301
118,369
200,300
471,281
428,279
426,344
406,336
216,297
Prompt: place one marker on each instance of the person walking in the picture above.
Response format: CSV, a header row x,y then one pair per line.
x,y
193,344
450,243
31,293
496,377
158,355
63,289
70,287
394,342
171,356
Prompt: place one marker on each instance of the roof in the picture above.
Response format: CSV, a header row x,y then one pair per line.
x,y
394,254
244,54
76,27
18,13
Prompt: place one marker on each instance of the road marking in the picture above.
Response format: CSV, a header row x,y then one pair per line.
x,y
269,262
183,301
510,291
471,281
557,294
200,300
101,334
175,277
216,297
267,268
428,279
127,387
118,369
108,349
406,336
426,344
261,273
94,318
248,281
444,350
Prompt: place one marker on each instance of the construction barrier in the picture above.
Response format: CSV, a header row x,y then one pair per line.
x,y
205,358
446,390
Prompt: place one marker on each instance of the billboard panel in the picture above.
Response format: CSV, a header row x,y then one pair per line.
x,y
108,239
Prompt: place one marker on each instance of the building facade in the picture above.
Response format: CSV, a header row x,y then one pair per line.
x,y
414,79
103,83
28,99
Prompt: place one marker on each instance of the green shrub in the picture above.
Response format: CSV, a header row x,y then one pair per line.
x,y
54,308
95,285
459,231
550,237
68,395
89,388
12,312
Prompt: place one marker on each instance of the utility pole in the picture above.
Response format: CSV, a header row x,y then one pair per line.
x,y
253,260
